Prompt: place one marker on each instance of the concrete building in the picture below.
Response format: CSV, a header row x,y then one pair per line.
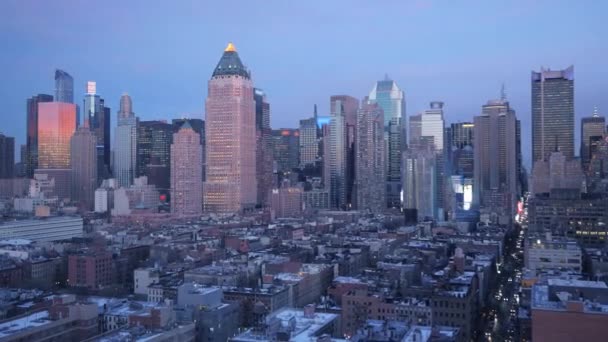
x,y
186,172
143,278
230,133
84,170
42,230
556,172
309,142
257,303
495,153
286,201
316,199
125,143
548,253
56,125
552,113
593,130
92,270
140,196
55,183
104,196
391,98
370,162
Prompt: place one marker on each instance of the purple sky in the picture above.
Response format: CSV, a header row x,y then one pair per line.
x,y
301,52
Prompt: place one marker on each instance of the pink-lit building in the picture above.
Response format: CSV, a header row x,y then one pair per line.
x,y
186,172
56,124
230,132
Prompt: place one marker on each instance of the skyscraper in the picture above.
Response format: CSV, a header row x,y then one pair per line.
x,y
98,116
552,113
186,172
56,124
64,87
593,130
83,157
427,132
264,155
340,161
309,142
153,160
495,151
31,162
419,181
230,137
392,101
125,147
370,159
7,156
285,146
198,125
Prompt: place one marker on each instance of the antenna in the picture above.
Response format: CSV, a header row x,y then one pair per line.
x,y
503,93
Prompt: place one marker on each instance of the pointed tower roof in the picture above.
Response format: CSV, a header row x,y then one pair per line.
x,y
230,64
186,125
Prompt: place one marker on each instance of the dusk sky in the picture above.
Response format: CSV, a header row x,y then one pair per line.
x,y
300,52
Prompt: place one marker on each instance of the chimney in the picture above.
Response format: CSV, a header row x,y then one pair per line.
x,y
309,311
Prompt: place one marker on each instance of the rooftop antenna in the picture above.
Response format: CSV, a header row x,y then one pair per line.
x,y
503,93
386,78
596,113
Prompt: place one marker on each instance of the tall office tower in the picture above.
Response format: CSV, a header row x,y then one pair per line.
x,y
460,169
392,100
552,113
7,156
419,181
370,156
186,172
264,154
31,162
428,128
593,130
56,124
154,152
340,163
230,184
83,158
64,87
556,173
98,116
495,153
285,146
198,125
309,142
125,146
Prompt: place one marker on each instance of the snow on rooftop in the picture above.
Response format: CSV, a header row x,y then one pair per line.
x,y
27,322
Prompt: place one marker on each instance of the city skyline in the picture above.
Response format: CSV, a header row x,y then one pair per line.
x,y
429,77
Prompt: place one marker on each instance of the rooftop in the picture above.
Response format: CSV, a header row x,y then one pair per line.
x,y
26,322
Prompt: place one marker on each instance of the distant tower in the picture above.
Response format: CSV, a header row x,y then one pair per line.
x,y
552,113
370,156
264,157
64,87
56,124
387,94
7,156
125,147
84,169
593,130
186,172
31,162
98,116
230,130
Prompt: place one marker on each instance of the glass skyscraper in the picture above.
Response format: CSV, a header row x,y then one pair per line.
x,y
125,147
64,87
56,124
593,130
31,162
98,116
391,99
552,113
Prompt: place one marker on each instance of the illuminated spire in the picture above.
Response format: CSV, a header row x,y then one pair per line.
x,y
230,48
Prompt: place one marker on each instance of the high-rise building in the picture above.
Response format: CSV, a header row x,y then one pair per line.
x,y
83,157
125,147
98,116
593,130
31,162
420,181
309,142
198,125
7,156
557,172
64,87
427,132
460,169
370,159
340,161
56,124
186,172
392,101
154,152
285,146
495,151
264,155
230,184
552,113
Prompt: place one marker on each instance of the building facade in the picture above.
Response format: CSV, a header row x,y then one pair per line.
x,y
31,145
64,87
98,116
56,124
7,156
125,146
84,171
186,172
370,169
593,130
552,113
230,137
264,155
